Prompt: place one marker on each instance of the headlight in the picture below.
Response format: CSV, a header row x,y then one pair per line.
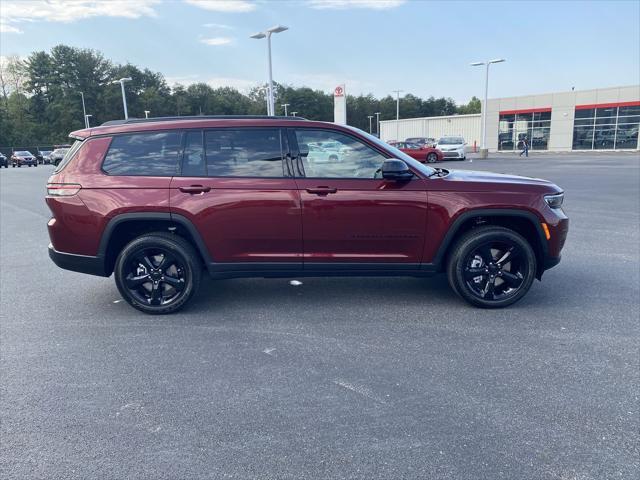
x,y
555,200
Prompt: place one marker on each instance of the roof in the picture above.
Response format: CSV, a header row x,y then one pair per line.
x,y
174,123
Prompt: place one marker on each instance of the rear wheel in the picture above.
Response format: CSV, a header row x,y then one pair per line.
x,y
432,158
491,267
158,273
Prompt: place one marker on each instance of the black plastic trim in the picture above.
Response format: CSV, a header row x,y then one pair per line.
x,y
78,263
486,212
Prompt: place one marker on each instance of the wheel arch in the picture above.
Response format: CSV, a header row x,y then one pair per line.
x,y
124,227
524,222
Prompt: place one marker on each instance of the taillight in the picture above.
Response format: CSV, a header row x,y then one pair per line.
x,y
62,189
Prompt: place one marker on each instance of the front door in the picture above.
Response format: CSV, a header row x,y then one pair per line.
x,y
349,213
234,188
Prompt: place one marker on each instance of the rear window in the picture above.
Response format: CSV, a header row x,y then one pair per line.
x,y
244,152
143,154
68,155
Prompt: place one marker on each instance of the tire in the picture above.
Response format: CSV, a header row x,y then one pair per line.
x,y
477,272
432,158
140,264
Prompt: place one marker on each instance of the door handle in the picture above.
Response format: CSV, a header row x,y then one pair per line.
x,y
194,189
322,190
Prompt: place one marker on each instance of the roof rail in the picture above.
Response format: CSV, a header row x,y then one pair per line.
x,y
199,117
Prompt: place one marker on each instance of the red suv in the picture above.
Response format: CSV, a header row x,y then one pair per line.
x,y
154,201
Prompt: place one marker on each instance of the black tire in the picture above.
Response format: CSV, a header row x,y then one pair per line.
x,y
333,158
491,267
432,158
143,281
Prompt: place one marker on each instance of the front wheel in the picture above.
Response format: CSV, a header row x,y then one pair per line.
x,y
158,273
491,267
432,158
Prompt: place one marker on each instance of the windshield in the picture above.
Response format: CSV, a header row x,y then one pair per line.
x,y
451,141
22,153
416,165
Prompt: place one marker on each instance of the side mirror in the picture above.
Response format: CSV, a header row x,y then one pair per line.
x,y
394,169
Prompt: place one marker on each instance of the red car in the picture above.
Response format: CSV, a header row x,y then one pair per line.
x,y
422,153
157,201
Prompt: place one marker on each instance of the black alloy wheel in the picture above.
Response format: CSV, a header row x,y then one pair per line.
x,y
158,273
492,267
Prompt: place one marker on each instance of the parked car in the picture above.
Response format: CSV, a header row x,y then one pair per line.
x,y
3,161
422,153
154,201
57,155
23,157
44,156
422,141
452,147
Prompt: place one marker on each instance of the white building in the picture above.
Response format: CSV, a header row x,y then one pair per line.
x,y
600,119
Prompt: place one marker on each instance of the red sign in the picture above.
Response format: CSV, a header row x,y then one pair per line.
x,y
339,91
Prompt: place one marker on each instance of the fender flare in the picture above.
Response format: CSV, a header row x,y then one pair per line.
x,y
145,216
487,212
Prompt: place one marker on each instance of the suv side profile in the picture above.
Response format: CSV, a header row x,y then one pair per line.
x,y
157,201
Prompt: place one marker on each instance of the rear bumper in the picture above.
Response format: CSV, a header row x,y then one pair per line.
x,y
78,263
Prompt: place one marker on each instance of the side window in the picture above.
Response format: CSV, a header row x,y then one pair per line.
x,y
193,158
244,152
327,154
148,154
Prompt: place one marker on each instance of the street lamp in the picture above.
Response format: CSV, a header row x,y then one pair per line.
x,y
285,105
267,34
86,120
483,148
124,95
84,111
293,114
370,117
398,114
377,114
146,113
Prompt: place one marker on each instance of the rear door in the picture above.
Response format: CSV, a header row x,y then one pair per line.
x,y
350,214
235,188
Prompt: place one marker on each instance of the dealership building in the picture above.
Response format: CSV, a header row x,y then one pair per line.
x,y
600,119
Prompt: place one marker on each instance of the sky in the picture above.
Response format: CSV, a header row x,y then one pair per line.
x,y
371,46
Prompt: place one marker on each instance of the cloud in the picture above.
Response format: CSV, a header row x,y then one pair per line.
x,y
346,4
66,11
217,41
226,6
218,26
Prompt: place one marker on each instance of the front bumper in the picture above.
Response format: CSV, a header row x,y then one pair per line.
x,y
78,263
453,154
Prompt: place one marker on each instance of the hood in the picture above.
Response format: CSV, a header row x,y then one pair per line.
x,y
471,176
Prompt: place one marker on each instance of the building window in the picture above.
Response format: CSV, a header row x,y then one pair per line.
x,y
514,126
606,127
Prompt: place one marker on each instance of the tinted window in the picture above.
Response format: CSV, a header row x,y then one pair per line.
x,y
244,152
327,154
149,154
193,158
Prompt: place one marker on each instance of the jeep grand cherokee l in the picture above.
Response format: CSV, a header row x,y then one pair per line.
x,y
156,201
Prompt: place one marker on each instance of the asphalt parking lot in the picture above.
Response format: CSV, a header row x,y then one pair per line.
x,y
335,378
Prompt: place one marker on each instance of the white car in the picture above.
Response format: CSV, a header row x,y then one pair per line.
x,y
452,147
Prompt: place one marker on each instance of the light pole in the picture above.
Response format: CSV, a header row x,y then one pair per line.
x,y
398,114
267,34
377,114
285,105
293,114
483,147
370,117
84,111
146,113
86,120
124,95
